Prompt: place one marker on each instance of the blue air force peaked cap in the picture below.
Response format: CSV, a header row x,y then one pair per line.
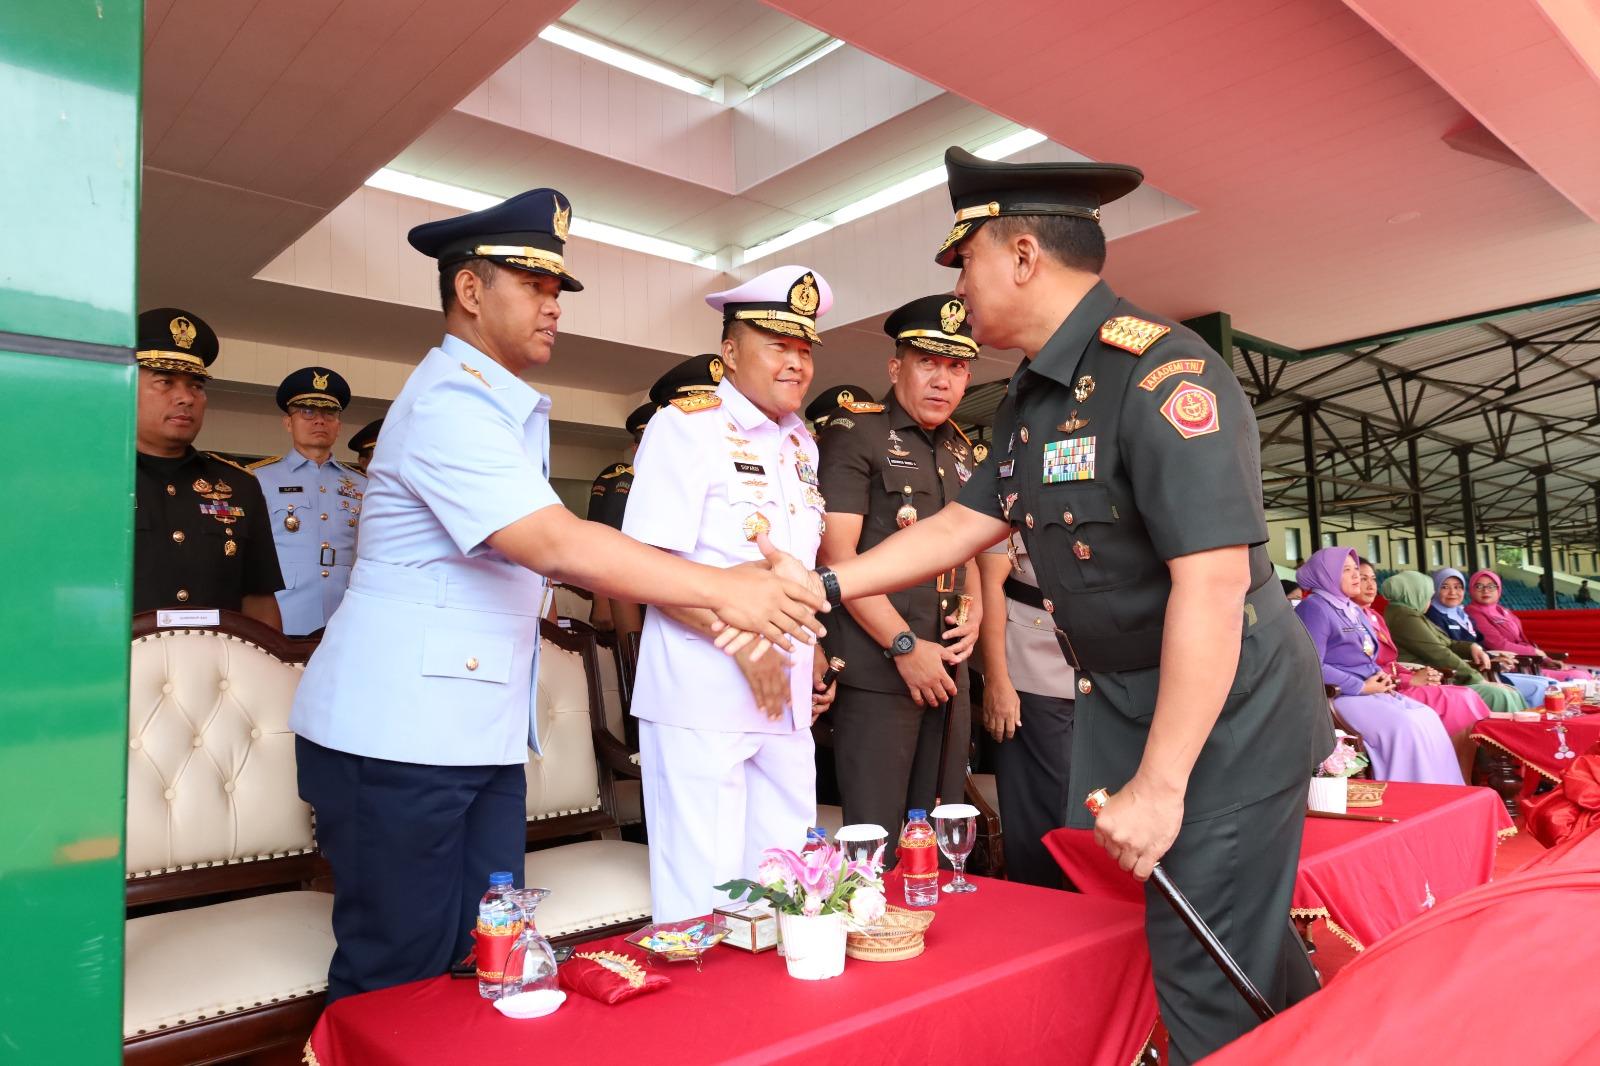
x,y
527,232
314,386
981,189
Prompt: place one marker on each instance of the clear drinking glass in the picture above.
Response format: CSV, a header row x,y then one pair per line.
x,y
955,825
531,965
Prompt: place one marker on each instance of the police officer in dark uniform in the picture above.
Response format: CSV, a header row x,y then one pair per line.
x,y
202,537
365,442
884,467
1128,457
820,410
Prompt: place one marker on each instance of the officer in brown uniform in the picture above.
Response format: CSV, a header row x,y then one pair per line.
x,y
884,467
202,537
1127,455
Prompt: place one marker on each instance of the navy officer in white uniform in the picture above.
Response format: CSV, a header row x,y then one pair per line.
x,y
314,500
725,743
415,715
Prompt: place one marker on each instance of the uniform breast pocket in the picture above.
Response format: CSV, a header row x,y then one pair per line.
x,y
466,654
1078,530
752,507
911,494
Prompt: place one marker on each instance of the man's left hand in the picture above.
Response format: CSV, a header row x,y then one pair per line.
x,y
1138,824
821,698
959,639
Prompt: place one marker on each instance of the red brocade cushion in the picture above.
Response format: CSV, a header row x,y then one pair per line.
x,y
609,976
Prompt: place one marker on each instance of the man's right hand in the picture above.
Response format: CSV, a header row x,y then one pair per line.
x,y
752,599
922,669
768,677
1002,710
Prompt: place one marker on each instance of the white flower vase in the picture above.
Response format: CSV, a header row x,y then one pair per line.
x,y
813,947
1330,795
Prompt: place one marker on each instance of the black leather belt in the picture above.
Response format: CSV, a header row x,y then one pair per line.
x,y
1023,593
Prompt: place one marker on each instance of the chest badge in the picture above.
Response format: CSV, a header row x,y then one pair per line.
x,y
804,470
1081,550
1072,424
291,521
755,525
1069,460
1084,388
907,514
1005,506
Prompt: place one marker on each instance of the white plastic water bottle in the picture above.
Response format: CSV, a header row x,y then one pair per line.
x,y
499,922
919,860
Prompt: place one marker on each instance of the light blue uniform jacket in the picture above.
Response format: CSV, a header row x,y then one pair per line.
x,y
316,555
433,654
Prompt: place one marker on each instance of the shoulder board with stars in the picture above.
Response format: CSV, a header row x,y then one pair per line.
x,y
699,401
240,466
862,407
349,468
1132,334
253,467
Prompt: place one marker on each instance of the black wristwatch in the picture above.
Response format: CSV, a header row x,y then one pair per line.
x,y
830,585
902,644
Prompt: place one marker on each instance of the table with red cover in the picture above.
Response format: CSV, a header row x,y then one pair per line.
x,y
1534,745
1365,878
1011,973
1500,974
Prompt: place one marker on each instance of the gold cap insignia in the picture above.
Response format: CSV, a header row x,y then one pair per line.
x,y
715,369
980,452
951,315
804,297
845,396
183,332
958,231
1132,334
562,220
319,381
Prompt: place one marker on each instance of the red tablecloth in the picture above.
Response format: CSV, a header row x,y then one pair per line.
x,y
1012,973
1534,745
1501,974
1365,878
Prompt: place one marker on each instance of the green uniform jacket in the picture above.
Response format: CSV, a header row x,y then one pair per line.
x,y
1127,442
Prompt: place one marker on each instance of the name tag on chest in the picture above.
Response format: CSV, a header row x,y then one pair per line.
x,y
905,464
750,468
290,488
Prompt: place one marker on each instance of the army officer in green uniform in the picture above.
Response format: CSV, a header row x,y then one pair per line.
x,y
1128,457
883,467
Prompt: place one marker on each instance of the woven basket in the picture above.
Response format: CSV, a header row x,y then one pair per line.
x,y
1366,793
898,935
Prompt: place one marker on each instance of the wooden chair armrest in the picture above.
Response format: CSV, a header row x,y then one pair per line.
x,y
615,756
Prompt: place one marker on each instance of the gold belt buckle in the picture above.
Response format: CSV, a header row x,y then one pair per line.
x,y
945,582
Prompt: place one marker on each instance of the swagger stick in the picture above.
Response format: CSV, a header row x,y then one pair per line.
x,y
1197,925
963,606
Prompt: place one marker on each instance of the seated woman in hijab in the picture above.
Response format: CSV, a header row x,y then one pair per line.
x,y
1418,640
1459,707
1447,612
1406,740
1502,631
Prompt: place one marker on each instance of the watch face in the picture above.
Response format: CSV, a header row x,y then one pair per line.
x,y
904,643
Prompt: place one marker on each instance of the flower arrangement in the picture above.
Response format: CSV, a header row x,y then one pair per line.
x,y
1344,761
821,881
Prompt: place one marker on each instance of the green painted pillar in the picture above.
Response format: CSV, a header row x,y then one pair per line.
x,y
69,194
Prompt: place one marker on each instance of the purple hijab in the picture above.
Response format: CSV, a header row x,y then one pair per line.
x,y
1321,574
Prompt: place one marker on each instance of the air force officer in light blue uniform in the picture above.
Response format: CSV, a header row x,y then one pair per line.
x,y
415,715
313,499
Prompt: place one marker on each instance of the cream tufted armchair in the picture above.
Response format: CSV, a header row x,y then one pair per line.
x,y
602,882
214,816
